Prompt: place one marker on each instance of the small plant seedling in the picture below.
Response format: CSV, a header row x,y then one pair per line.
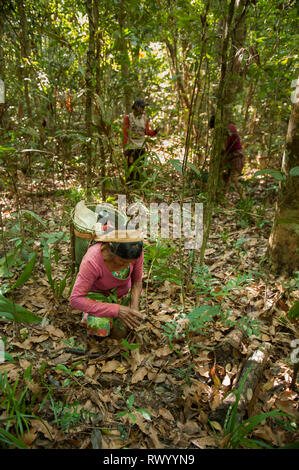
x,y
131,411
71,343
129,347
71,372
69,415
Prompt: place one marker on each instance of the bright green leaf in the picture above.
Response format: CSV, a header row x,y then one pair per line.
x,y
26,273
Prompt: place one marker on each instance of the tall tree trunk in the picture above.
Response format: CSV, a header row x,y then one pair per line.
x,y
237,68
125,61
89,94
2,70
25,54
284,238
220,129
98,89
172,48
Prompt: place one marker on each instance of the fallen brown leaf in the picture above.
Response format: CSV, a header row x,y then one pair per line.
x,y
139,375
54,332
110,366
44,427
24,363
166,414
162,352
191,428
204,442
154,438
29,437
90,371
27,344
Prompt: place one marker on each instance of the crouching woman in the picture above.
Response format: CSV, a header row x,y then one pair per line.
x,y
110,267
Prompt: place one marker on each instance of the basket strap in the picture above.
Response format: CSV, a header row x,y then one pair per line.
x,y
113,236
87,236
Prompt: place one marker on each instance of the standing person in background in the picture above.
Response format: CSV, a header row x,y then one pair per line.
x,y
232,157
135,129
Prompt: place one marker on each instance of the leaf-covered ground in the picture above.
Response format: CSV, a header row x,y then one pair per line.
x,y
160,393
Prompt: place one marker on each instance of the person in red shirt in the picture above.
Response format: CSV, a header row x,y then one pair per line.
x,y
135,129
233,157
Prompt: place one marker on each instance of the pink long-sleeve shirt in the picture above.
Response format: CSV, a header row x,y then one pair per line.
x,y
233,141
94,276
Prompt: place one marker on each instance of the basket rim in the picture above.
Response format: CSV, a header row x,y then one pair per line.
x,y
82,229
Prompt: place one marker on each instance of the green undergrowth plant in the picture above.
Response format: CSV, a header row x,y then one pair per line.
x,y
131,411
184,374
66,416
158,264
51,258
10,311
24,256
129,347
237,434
69,415
17,402
208,287
245,211
71,343
186,324
199,320
21,257
71,372
7,439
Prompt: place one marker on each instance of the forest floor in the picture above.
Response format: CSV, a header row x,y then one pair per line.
x,y
164,383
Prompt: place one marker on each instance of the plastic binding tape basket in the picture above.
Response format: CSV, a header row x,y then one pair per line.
x,y
97,221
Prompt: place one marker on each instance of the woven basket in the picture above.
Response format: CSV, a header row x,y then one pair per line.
x,y
82,236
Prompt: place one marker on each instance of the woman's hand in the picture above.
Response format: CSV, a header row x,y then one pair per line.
x,y
129,317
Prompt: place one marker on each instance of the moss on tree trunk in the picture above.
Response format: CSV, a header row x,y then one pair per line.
x,y
284,238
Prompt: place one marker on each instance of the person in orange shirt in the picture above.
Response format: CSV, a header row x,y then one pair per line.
x,y
135,129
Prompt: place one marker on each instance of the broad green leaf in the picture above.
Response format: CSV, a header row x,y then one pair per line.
x,y
132,417
294,171
78,373
294,311
48,266
129,346
130,401
8,261
177,164
35,216
62,367
250,424
195,169
6,315
26,273
278,175
144,413
6,149
17,313
7,438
